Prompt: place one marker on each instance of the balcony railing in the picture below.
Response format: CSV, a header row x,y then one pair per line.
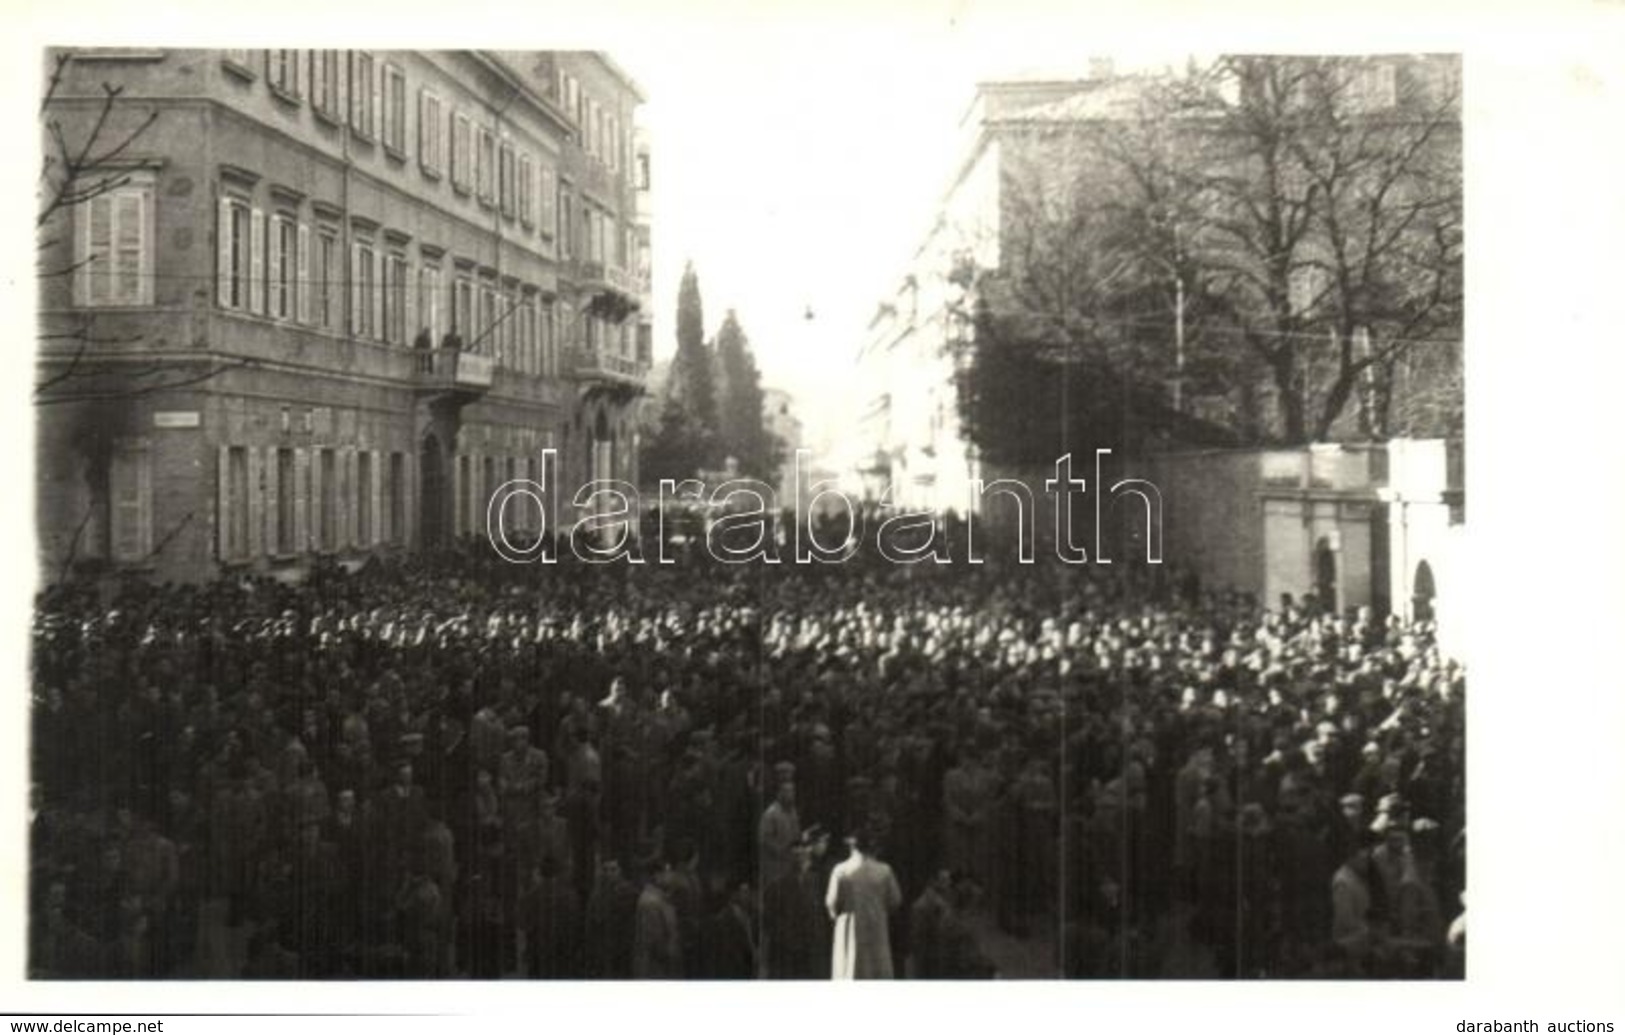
x,y
603,365
448,369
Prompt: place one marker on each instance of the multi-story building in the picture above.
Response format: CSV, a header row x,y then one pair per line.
x,y
322,303
1012,240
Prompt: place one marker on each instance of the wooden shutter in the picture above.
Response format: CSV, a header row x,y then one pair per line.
x,y
223,512
319,534
223,267
301,500
97,257
256,261
410,324
347,496
131,496
355,290
129,237
256,502
375,534
301,280
273,501
379,332
409,497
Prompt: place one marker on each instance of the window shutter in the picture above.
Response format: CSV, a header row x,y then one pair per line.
x,y
99,250
256,503
302,275
129,234
347,498
256,265
379,332
223,510
355,290
459,476
408,493
273,501
319,535
131,496
410,324
301,500
375,534
375,127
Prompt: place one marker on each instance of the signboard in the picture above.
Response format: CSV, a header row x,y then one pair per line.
x,y
177,419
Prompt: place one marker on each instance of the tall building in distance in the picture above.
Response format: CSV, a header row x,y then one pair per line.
x,y
307,303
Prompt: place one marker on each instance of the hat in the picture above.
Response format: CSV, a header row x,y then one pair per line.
x,y
1371,748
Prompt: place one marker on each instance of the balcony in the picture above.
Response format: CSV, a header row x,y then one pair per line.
x,y
603,370
454,372
614,293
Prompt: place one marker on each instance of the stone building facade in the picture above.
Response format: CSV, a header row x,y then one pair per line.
x,y
327,301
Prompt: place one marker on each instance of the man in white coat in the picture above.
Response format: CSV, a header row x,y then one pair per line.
x,y
863,893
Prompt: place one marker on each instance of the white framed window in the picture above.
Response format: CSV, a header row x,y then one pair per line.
x,y
240,280
431,132
506,187
486,321
130,500
282,273
550,207
527,190
325,280
363,94
429,302
282,72
113,245
485,164
395,281
324,83
462,309
363,289
462,152
393,126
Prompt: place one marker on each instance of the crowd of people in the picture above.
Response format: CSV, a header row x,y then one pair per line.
x,y
451,766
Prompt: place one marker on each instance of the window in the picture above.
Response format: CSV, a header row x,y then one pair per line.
x,y
113,245
394,110
397,498
527,190
486,321
233,503
130,501
324,83
327,508
506,188
283,275
239,61
362,110
550,341
429,302
462,310
567,224
286,501
572,98
430,139
363,499
241,272
485,165
462,162
282,72
1372,87
363,289
550,206
508,324
643,172
394,286
327,272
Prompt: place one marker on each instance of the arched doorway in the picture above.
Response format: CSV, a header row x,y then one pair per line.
x,y
1423,592
431,492
1326,576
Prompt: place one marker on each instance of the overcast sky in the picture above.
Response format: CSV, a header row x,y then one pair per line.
x,y
797,165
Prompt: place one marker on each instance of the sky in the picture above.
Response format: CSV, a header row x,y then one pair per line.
x,y
797,163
